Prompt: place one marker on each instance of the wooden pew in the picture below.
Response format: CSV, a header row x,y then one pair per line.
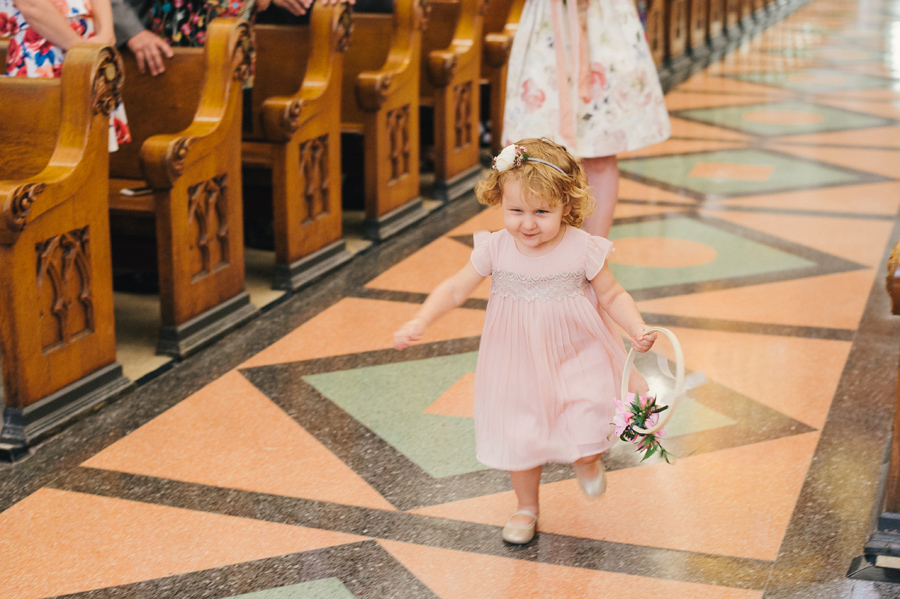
x,y
295,131
733,19
380,101
716,28
501,20
698,24
677,61
57,331
451,84
656,30
185,162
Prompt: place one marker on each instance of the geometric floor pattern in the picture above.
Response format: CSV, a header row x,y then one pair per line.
x,y
303,456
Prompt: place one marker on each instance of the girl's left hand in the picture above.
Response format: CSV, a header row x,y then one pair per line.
x,y
640,341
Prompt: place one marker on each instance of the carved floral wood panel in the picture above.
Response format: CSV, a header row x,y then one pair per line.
x,y
398,131
314,169
64,289
462,99
208,218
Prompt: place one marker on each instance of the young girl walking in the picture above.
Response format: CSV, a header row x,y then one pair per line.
x,y
551,358
581,73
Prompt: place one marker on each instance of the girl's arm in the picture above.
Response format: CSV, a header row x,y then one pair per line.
x,y
43,17
619,305
446,296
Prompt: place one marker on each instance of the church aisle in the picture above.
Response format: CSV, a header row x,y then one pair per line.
x,y
304,457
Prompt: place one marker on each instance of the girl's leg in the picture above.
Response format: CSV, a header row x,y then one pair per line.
x,y
526,484
590,475
603,178
588,466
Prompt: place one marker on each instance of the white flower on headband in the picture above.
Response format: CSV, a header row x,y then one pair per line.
x,y
511,157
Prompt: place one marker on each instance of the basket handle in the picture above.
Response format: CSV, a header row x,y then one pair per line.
x,y
679,380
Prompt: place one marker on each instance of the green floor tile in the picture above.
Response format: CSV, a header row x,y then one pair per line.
x,y
788,172
390,400
831,119
821,80
326,588
735,255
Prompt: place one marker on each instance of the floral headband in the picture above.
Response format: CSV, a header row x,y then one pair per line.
x,y
513,156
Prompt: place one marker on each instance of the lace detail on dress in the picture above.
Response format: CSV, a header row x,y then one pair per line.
x,y
542,288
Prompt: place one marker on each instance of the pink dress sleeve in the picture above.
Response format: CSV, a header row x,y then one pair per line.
x,y
481,255
598,251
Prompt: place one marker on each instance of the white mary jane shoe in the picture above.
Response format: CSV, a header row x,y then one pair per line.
x,y
520,534
593,487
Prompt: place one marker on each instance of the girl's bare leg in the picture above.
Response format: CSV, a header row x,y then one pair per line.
x,y
603,178
590,475
588,466
526,484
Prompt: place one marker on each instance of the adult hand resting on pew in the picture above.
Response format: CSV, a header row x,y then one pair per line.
x,y
301,7
150,29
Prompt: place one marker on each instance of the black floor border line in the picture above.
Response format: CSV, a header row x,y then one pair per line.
x,y
865,216
364,568
781,139
753,328
830,525
746,573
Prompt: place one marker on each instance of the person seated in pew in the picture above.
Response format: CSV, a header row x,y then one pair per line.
x,y
150,27
41,31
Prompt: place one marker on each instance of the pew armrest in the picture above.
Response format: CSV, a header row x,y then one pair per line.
x,y
374,87
229,54
462,51
282,116
91,86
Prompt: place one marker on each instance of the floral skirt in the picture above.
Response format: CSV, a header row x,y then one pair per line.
x,y
30,55
184,22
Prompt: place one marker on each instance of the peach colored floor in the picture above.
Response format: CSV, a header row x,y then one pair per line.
x,y
55,542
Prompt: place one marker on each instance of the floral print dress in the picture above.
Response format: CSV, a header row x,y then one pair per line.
x,y
581,74
30,55
184,22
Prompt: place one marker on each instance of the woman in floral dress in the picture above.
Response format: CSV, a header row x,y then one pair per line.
x,y
40,32
581,74
184,22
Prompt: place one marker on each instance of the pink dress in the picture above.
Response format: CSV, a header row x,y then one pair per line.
x,y
550,362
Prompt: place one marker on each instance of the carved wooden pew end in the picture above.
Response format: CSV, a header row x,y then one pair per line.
x,y
57,337
180,178
292,143
381,103
450,89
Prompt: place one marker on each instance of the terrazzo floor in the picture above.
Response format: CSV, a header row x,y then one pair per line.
x,y
303,457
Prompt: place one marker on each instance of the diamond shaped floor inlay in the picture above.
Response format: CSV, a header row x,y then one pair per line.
x,y
785,172
785,118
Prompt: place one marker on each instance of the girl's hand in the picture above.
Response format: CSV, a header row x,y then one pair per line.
x,y
409,333
641,341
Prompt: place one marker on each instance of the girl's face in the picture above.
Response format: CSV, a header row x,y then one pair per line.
x,y
534,224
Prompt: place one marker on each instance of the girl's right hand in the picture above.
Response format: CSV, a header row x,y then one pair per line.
x,y
409,333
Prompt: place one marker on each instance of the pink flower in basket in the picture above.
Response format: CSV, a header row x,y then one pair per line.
x,y
643,415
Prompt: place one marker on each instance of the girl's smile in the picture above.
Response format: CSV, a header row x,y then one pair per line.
x,y
535,225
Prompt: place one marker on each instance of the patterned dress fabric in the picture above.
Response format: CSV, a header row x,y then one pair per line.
x,y
184,22
550,361
581,74
30,55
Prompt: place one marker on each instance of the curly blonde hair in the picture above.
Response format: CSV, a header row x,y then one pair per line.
x,y
542,181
